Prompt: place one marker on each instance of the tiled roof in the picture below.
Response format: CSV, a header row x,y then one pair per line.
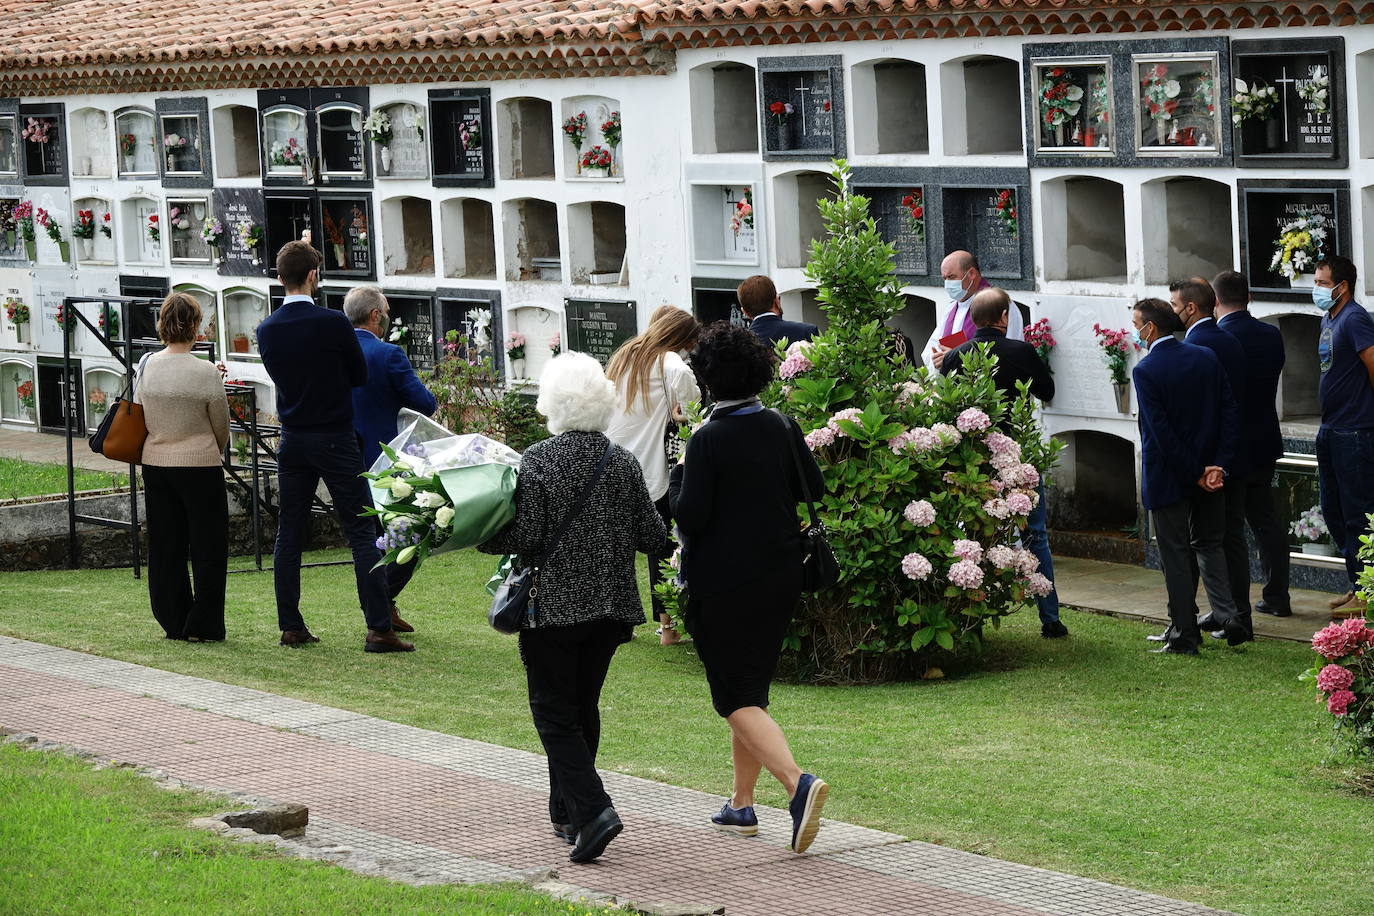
x,y
70,46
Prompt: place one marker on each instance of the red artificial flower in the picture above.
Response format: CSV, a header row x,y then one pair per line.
x,y
827,106
1004,195
919,212
1057,71
777,108
152,218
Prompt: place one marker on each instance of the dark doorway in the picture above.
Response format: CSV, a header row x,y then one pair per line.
x,y
54,393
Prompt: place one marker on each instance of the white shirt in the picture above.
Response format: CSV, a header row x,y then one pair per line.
x,y
1188,332
1015,327
640,430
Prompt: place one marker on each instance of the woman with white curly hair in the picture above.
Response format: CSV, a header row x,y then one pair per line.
x,y
587,597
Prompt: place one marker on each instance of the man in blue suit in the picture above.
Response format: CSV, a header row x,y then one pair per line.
x,y
391,384
758,299
1187,431
1195,303
1258,439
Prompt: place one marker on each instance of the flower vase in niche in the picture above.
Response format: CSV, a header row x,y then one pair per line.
x,y
378,130
240,343
781,113
575,130
515,351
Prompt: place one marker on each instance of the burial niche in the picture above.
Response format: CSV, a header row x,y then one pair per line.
x,y
1084,229
93,230
407,236
1187,227
531,240
468,237
141,231
596,233
1094,486
795,196
526,129
724,108
981,99
90,143
244,310
235,129
890,114
135,142
9,145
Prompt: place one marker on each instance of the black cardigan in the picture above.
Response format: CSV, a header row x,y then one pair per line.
x,y
735,502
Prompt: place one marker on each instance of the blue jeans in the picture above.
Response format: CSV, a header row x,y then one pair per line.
x,y
306,458
1037,540
1345,472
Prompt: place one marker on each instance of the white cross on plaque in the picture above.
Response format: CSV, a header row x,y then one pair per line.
x,y
801,107
1283,97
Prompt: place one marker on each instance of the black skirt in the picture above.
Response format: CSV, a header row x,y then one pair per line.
x,y
738,637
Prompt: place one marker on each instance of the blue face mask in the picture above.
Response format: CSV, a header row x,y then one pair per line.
x,y
955,290
1140,342
1322,298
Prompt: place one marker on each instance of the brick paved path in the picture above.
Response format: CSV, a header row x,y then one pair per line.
x,y
469,811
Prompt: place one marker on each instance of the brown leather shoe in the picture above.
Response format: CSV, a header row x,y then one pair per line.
x,y
397,624
1352,608
295,638
386,641
1343,599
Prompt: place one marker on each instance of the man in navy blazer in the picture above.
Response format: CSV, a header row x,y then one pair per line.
x,y
1258,439
758,299
391,384
1195,303
1187,432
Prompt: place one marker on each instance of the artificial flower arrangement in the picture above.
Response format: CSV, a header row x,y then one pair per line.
x,y
1005,210
470,134
24,390
1300,245
556,343
598,157
1316,92
65,319
174,141
1160,93
37,130
332,231
915,206
1252,102
1060,98
1099,110
108,321
575,129
7,223
378,127
1204,92
16,312
153,228
610,130
85,225
1038,335
22,215
1310,526
177,219
743,216
399,333
1116,347
98,401
287,153
50,226
127,144
250,236
210,231
104,227
780,111
515,345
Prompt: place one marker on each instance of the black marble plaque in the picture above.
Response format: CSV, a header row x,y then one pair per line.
x,y
892,209
1307,121
288,214
801,107
476,315
1267,207
417,312
233,208
346,240
284,117
715,300
599,327
332,297
187,165
341,142
45,162
461,137
142,314
979,220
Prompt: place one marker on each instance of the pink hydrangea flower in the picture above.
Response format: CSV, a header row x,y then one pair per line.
x,y
968,550
794,366
1019,504
819,438
972,420
1006,463
849,413
1001,556
966,574
1338,640
1334,677
1027,476
1002,444
997,508
1037,586
920,513
1025,562
948,435
915,566
1339,702
907,392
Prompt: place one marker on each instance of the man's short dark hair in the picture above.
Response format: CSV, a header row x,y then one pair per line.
x,y
732,361
987,306
294,263
756,295
1232,289
1159,313
1342,271
1197,291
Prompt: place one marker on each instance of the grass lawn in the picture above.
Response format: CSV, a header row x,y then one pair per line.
x,y
1195,778
19,479
76,840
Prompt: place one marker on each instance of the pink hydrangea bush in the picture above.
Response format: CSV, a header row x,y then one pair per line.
x,y
1344,676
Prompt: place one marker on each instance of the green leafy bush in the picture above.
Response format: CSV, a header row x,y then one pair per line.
x,y
473,399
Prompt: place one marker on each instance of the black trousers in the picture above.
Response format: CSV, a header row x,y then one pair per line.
x,y
655,560
306,458
1270,536
1191,531
565,668
1237,550
188,518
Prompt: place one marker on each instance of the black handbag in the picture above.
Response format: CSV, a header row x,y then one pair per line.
x,y
673,444
820,569
513,605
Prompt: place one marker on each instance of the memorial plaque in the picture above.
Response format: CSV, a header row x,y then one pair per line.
x,y
143,315
1303,118
461,141
1271,210
407,153
181,145
417,313
598,328
9,144
289,215
183,142
739,234
801,107
900,214
476,316
347,240
341,142
43,144
1072,107
987,222
237,208
91,144
185,220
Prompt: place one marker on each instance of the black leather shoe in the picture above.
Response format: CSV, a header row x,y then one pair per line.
x,y
1209,621
1265,607
1053,630
565,832
1159,637
593,838
1167,649
1235,632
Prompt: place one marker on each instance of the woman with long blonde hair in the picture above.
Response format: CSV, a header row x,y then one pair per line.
x,y
653,386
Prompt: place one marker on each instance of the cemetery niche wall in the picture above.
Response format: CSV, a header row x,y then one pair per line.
x,y
801,106
1290,103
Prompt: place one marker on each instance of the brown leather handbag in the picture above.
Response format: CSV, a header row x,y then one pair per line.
x,y
125,433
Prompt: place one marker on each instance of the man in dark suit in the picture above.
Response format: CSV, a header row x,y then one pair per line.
x,y
391,385
1194,303
758,299
1258,439
1016,361
1187,427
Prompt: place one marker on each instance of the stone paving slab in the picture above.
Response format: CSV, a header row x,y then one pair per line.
x,y
453,809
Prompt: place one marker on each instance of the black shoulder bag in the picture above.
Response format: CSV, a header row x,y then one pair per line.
x,y
820,569
513,603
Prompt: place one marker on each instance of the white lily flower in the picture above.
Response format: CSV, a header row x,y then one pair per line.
x,y
444,517
400,489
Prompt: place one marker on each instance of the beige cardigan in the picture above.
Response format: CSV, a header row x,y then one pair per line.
x,y
185,409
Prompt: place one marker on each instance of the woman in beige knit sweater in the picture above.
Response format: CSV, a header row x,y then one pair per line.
x,y
188,514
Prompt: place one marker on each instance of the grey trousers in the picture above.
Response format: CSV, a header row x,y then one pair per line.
x,y
1192,530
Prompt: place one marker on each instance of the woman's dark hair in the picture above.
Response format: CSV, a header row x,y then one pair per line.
x,y
732,361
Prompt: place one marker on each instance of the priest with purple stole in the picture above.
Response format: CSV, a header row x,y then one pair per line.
x,y
962,279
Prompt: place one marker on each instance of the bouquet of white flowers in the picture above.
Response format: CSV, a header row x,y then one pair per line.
x,y
435,491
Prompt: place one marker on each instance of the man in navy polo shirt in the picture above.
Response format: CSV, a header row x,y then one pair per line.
x,y
1345,440
314,359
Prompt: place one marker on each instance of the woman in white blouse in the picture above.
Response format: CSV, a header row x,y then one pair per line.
x,y
654,384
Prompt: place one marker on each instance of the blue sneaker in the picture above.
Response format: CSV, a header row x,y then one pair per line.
x,y
740,821
805,809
